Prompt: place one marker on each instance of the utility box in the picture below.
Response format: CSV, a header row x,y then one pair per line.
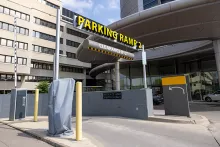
x,y
18,104
176,99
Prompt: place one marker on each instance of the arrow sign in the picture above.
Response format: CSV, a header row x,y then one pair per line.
x,y
171,88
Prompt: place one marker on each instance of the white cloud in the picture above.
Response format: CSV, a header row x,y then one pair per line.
x,y
113,4
78,5
97,9
111,20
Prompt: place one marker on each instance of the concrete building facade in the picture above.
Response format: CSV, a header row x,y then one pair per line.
x,y
36,35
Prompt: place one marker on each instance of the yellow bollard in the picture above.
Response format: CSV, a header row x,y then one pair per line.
x,y
78,111
36,104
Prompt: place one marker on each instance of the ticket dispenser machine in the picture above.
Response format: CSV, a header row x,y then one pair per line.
x,y
18,104
176,99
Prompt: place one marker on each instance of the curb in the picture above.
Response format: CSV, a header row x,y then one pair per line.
x,y
36,136
166,120
204,121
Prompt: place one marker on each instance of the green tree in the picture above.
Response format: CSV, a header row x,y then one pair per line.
x,y
43,87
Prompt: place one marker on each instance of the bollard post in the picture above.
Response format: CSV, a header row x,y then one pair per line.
x,y
78,111
36,104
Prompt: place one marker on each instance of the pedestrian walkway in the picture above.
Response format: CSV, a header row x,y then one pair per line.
x,y
120,132
39,130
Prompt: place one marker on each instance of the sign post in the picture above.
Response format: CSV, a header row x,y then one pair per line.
x,y
144,62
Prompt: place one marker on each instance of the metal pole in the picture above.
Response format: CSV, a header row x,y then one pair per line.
x,y
78,111
36,99
56,70
15,51
144,67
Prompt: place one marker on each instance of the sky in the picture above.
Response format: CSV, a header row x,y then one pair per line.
x,y
102,11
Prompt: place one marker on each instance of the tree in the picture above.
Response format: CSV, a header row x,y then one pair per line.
x,y
43,87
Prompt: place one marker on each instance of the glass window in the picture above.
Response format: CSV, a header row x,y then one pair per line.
x,y
2,58
5,26
3,42
37,20
23,16
13,60
21,45
6,10
17,29
8,59
12,12
24,61
28,18
25,46
11,28
18,14
22,31
20,60
37,35
39,49
26,32
1,9
33,34
10,43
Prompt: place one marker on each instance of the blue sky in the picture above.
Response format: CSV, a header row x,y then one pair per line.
x,y
102,11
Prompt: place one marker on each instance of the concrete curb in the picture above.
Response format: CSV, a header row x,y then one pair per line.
x,y
167,120
53,143
203,121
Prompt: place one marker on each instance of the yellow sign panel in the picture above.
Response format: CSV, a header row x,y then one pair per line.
x,y
104,31
179,80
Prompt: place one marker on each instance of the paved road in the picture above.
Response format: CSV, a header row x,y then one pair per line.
x,y
119,132
10,137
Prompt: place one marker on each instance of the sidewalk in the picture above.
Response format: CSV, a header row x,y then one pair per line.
x,y
159,115
39,131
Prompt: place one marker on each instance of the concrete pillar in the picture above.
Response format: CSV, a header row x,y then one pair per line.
x,y
22,81
84,80
117,75
216,45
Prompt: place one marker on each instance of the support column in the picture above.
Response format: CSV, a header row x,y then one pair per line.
x,y
216,45
22,81
117,75
84,80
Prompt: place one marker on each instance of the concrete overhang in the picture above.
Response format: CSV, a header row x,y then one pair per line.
x,y
173,22
93,52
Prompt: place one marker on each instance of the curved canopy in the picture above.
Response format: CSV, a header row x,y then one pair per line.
x,y
94,52
173,22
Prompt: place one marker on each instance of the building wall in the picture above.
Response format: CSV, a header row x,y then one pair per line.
x,y
46,11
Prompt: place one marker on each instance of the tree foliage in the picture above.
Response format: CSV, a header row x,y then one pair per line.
x,y
43,87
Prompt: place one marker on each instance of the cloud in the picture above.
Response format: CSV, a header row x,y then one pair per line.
x,y
113,4
78,5
97,9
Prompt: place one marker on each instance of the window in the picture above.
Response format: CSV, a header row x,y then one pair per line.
x,y
71,69
61,40
6,10
10,43
18,14
8,59
3,42
45,23
76,33
61,28
2,58
23,16
11,28
70,55
72,43
20,61
5,26
43,49
12,12
21,45
45,66
44,36
1,9
61,52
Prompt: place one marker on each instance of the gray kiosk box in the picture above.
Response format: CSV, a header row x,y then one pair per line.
x,y
18,104
175,94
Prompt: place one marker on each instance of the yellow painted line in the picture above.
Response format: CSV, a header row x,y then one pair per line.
x,y
179,80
